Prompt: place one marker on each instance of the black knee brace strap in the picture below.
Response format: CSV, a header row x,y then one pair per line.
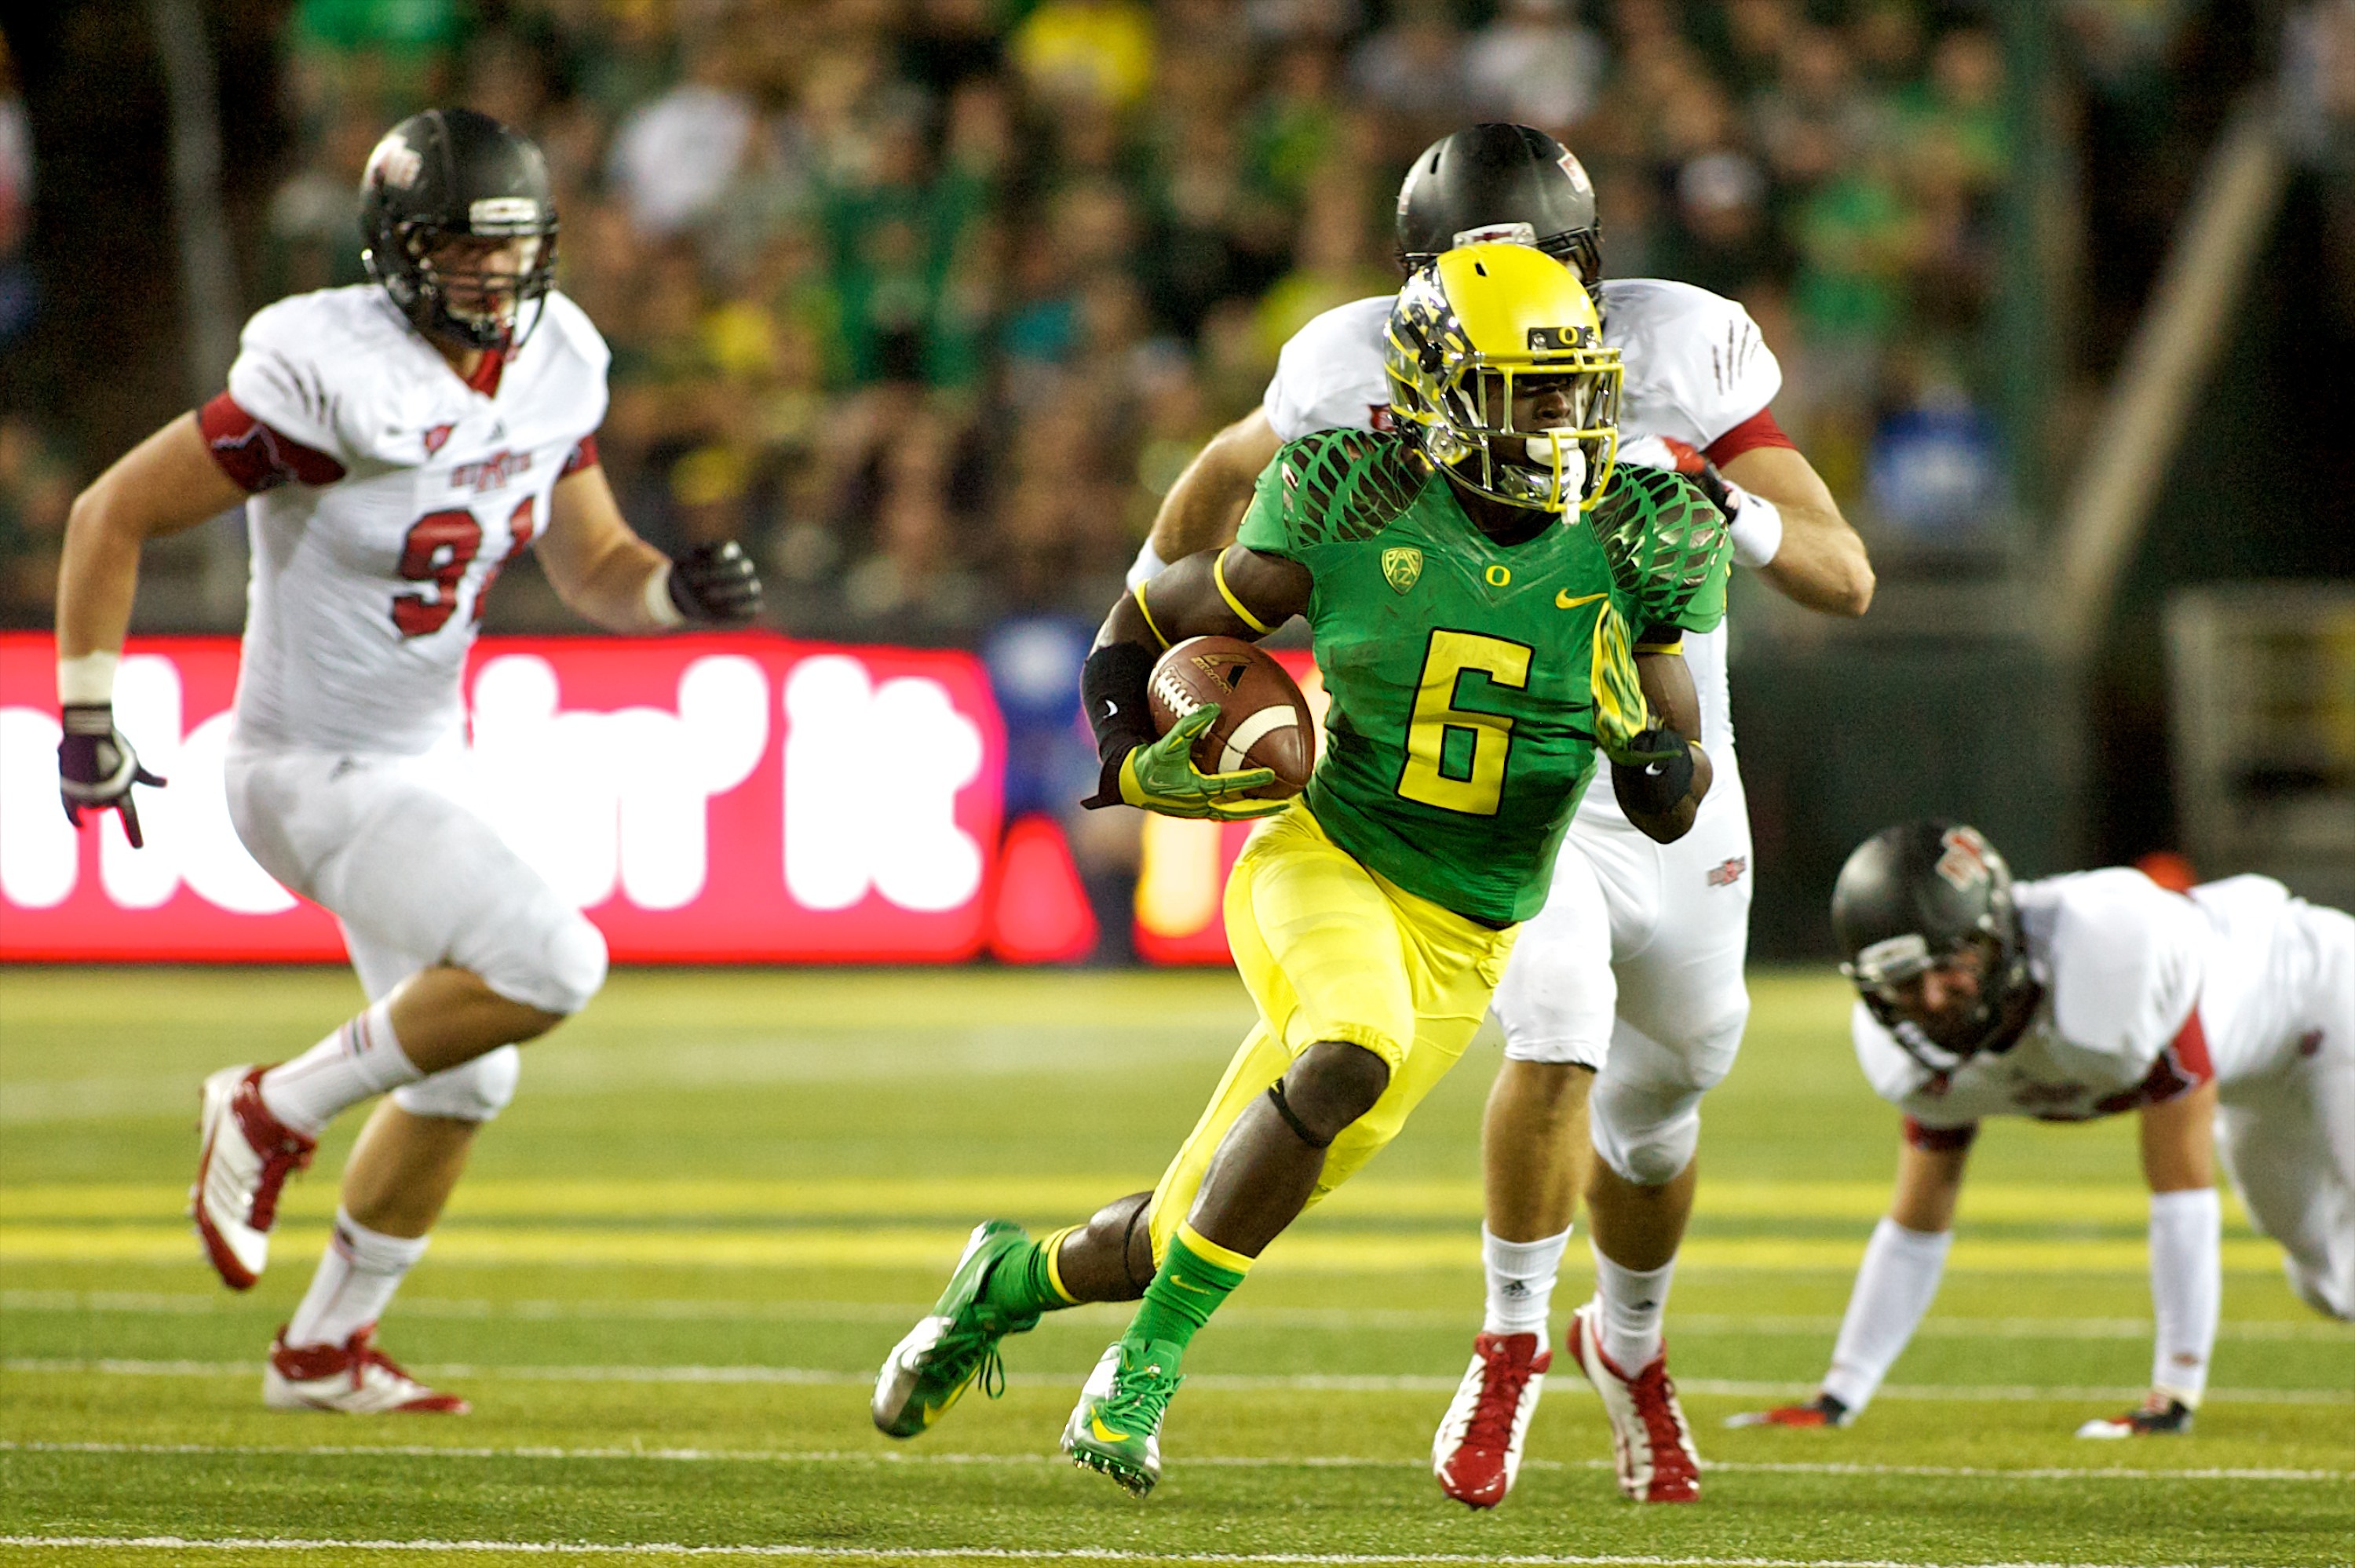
x,y
1299,1127
1128,1242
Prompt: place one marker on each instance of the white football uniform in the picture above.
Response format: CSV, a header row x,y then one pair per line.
x,y
1653,933
387,493
2148,993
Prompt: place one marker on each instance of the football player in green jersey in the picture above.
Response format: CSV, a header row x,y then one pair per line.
x,y
1493,602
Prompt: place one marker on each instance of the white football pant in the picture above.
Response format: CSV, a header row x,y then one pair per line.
x,y
416,879
1634,969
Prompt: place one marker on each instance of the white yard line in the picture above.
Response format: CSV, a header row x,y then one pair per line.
x,y
1337,1382
897,1456
214,1304
990,1553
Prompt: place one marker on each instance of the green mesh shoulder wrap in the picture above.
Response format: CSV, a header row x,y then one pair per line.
x,y
1666,545
1342,485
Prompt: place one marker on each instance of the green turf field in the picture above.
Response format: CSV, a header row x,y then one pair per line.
x,y
723,1195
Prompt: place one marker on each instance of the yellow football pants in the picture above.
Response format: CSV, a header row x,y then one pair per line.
x,y
1331,951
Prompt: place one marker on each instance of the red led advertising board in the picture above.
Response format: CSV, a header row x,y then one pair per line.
x,y
704,798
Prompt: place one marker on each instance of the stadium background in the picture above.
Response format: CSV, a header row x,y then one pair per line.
x,y
928,300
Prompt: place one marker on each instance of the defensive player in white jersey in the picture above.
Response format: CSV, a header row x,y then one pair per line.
x,y
1654,933
2224,1019
396,444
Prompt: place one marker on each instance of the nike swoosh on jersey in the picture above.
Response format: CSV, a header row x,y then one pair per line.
x,y
1563,600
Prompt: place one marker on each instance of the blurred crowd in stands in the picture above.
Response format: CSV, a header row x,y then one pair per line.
x,y
930,300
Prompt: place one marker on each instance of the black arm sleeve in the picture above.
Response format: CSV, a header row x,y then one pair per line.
x,y
1112,689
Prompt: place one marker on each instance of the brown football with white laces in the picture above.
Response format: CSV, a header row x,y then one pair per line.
x,y
1264,720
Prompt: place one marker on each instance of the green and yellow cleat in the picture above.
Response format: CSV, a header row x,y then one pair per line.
x,y
1116,1427
945,1353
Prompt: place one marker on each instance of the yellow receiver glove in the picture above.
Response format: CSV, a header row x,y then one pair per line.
x,y
1162,778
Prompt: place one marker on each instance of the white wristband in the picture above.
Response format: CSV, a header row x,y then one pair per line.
x,y
1147,567
1757,529
87,680
660,608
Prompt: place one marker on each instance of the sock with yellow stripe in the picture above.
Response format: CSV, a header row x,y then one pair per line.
x,y
1026,1281
1196,1274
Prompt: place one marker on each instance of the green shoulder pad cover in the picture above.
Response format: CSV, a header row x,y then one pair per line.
x,y
1343,486
1666,545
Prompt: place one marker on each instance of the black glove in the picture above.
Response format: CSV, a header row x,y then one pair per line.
x,y
97,767
1654,772
716,583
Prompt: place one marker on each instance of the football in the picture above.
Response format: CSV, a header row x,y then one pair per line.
x,y
1263,721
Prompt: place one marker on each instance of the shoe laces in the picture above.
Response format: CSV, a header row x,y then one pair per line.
x,y
1656,1403
1139,1398
284,1153
365,1354
276,1166
1503,1378
972,1342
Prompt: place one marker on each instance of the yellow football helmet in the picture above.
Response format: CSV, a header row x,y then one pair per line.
x,y
1485,326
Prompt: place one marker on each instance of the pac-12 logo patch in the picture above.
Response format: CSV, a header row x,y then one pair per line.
x,y
435,436
1401,566
1725,874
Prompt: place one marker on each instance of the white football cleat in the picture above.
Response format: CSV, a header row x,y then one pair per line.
x,y
1476,1453
353,1378
1650,1439
243,1160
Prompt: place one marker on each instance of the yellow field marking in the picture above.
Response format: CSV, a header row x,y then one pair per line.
x,y
948,1198
928,1248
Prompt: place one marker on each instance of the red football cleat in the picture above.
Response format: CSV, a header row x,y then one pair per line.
x,y
1649,1439
244,1158
353,1378
1476,1453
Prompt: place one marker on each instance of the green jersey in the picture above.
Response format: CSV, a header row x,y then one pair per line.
x,y
1471,682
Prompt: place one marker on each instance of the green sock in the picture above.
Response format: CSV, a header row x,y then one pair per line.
x,y
1196,1275
1026,1282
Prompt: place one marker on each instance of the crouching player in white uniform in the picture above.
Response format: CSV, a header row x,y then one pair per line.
x,y
401,441
2225,1020
1654,933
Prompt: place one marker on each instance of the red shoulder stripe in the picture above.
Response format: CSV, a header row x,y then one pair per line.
x,y
2183,1066
582,455
257,457
1758,430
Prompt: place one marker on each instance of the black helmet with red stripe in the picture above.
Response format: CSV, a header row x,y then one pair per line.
x,y
1495,182
459,221
1918,895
